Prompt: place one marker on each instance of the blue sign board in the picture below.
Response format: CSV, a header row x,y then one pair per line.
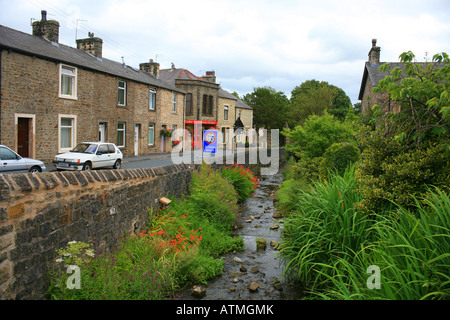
x,y
210,141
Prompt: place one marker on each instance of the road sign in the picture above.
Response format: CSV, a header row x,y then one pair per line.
x,y
210,141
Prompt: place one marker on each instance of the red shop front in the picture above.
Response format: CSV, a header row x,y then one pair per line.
x,y
196,128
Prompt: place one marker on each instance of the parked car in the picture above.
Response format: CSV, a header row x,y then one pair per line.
x,y
11,162
90,155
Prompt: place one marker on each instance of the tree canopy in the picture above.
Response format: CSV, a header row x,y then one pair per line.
x,y
314,97
269,107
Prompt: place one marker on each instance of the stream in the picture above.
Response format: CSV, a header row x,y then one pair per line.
x,y
254,273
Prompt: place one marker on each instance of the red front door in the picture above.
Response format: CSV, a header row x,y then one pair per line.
x,y
23,137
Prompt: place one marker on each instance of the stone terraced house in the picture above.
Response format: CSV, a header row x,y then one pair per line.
x,y
54,96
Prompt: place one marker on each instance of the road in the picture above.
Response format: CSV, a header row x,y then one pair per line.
x,y
152,161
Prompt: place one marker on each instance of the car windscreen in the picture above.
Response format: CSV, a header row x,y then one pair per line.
x,y
85,148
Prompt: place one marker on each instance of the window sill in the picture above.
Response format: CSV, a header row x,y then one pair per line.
x,y
62,96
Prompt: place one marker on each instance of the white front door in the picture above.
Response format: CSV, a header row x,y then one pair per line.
x,y
136,140
101,132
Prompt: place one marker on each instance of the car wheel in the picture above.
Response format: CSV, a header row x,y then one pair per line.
x,y
117,164
87,166
35,169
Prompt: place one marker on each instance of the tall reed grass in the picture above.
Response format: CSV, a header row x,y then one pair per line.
x,y
329,245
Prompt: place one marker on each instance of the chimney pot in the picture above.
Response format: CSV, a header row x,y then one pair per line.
x,y
211,76
48,29
92,45
150,67
374,53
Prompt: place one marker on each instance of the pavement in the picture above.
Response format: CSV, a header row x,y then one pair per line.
x,y
146,157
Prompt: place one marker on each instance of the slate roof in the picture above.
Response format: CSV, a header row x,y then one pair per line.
x,y
170,75
373,73
225,94
28,44
242,105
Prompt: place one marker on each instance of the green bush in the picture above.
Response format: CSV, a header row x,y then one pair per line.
x,y
286,195
243,180
309,142
390,174
338,157
134,271
213,197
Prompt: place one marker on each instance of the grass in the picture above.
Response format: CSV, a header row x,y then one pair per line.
x,y
329,246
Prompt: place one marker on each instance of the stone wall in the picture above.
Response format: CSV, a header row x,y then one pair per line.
x,y
40,213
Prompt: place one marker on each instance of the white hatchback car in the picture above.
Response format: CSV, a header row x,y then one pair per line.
x,y
90,155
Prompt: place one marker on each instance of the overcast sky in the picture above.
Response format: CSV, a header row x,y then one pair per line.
x,y
249,43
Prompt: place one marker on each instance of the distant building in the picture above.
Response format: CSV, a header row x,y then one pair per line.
x,y
227,118
208,106
372,75
54,96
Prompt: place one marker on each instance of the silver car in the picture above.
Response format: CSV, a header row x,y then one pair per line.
x,y
11,162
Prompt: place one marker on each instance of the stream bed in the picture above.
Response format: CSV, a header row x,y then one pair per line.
x,y
254,273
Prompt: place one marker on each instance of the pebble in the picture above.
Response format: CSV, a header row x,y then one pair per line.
x,y
254,286
276,215
198,291
236,259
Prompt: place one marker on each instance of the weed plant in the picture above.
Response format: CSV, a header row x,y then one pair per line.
x,y
243,180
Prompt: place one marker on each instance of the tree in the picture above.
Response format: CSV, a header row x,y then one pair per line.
x,y
269,107
409,150
340,104
314,98
422,91
234,93
310,142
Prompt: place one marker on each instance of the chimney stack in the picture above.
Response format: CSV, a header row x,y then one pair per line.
x,y
211,76
92,45
374,53
150,67
48,29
